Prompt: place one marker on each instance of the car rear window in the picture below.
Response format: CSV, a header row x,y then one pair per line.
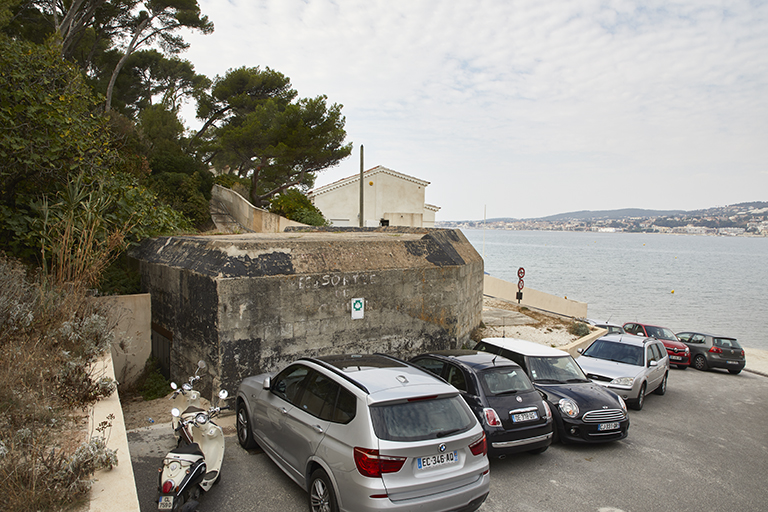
x,y
503,380
726,343
421,419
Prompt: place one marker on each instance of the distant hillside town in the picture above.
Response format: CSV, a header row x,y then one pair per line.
x,y
743,219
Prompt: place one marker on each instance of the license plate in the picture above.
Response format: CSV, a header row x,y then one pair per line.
x,y
165,503
733,362
607,426
676,358
525,416
437,460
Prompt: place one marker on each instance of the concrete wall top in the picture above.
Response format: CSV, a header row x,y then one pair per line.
x,y
309,251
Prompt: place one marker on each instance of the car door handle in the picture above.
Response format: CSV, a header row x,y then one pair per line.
x,y
318,429
284,410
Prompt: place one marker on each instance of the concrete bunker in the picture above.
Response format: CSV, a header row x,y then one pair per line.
x,y
254,302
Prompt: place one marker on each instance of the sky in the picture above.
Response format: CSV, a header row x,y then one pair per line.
x,y
525,108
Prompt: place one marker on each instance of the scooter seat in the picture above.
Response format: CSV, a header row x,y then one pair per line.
x,y
188,449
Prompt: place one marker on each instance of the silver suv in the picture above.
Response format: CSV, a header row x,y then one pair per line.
x,y
367,432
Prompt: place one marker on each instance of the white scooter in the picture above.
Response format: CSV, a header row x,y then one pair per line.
x,y
195,464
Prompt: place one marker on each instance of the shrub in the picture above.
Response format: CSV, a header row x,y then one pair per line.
x,y
49,339
152,384
294,205
579,329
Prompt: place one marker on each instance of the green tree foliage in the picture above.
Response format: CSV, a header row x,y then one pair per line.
x,y
158,22
48,128
257,129
294,205
102,35
51,138
147,76
179,179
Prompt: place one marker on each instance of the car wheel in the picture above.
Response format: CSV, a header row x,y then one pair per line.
x,y
321,496
244,435
734,372
663,386
638,404
700,362
538,451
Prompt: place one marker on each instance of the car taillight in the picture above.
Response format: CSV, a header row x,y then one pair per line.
x,y
168,486
370,463
716,350
491,418
742,353
479,447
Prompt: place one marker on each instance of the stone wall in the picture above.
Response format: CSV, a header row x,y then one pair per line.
x,y
252,303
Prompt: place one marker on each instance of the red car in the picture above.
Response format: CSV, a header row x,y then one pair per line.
x,y
679,353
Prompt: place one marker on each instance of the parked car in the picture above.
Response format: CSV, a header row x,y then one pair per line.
x,y
365,433
628,365
583,411
709,351
511,411
608,326
679,354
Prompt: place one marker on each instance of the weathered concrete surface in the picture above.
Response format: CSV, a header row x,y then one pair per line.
x,y
254,302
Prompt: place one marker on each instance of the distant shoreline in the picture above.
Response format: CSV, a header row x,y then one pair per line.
x,y
450,225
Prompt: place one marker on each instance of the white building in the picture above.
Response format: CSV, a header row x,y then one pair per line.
x,y
390,199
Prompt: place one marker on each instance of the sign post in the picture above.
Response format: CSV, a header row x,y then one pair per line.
x,y
520,284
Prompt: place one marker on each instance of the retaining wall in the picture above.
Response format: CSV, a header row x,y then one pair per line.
x,y
250,217
495,287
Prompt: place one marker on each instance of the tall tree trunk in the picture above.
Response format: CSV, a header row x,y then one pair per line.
x,y
121,63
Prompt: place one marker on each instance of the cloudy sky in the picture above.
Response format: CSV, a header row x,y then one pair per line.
x,y
526,108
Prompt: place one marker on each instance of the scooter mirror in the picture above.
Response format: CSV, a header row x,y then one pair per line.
x,y
187,386
201,364
223,394
174,386
175,412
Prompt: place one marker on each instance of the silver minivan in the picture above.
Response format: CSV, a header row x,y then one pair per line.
x,y
367,432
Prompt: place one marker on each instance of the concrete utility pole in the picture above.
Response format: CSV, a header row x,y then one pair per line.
x,y
362,218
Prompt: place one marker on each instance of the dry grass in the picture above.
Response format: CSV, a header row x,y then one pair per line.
x,y
49,339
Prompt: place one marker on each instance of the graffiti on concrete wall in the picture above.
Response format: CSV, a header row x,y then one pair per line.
x,y
341,284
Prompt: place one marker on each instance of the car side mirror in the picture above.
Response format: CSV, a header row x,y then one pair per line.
x,y
653,363
267,383
580,350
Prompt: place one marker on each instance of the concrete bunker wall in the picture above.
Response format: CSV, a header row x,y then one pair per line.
x,y
252,303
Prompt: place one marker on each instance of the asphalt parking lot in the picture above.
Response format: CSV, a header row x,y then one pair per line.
x,y
702,446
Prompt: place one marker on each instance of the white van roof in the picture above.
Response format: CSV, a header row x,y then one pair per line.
x,y
524,347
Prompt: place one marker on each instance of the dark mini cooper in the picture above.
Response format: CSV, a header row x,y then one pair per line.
x,y
511,411
583,411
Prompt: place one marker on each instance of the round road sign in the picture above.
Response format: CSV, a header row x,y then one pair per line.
x,y
521,272
520,285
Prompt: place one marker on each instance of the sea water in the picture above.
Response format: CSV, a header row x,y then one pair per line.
x,y
712,284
